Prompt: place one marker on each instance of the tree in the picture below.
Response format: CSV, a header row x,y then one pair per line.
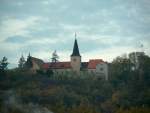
x,y
21,62
55,57
120,69
28,63
3,64
49,72
144,67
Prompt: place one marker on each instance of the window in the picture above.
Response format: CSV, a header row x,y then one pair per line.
x,y
74,59
101,69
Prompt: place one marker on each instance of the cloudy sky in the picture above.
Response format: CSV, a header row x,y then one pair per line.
x,y
105,28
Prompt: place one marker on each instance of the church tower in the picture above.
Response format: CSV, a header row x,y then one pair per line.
x,y
75,57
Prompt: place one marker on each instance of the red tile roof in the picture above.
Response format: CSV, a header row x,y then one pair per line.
x,y
57,65
67,65
92,63
46,65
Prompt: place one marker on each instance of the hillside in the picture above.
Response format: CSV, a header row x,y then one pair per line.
x,y
126,91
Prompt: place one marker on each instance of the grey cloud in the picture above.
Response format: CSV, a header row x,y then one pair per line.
x,y
16,39
50,24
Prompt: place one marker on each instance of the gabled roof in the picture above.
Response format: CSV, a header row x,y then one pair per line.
x,y
37,60
93,63
31,60
57,65
67,65
75,49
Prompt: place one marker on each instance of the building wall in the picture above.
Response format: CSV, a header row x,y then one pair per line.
x,y
35,67
91,71
102,70
61,71
76,63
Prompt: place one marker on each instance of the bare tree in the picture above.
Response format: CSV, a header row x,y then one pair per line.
x,y
21,62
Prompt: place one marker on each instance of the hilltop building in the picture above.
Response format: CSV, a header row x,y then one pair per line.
x,y
33,64
95,66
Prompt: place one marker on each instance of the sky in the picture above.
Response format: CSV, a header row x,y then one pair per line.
x,y
105,28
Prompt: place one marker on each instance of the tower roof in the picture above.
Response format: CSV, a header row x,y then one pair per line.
x,y
75,49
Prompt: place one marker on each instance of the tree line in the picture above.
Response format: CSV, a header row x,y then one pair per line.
x,y
126,91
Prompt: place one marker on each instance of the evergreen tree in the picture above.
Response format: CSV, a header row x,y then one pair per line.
x,y
55,57
28,63
3,64
21,62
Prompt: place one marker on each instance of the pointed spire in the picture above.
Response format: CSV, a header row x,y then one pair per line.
x,y
75,35
75,48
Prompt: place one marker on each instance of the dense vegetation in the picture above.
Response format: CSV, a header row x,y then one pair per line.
x,y
127,91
